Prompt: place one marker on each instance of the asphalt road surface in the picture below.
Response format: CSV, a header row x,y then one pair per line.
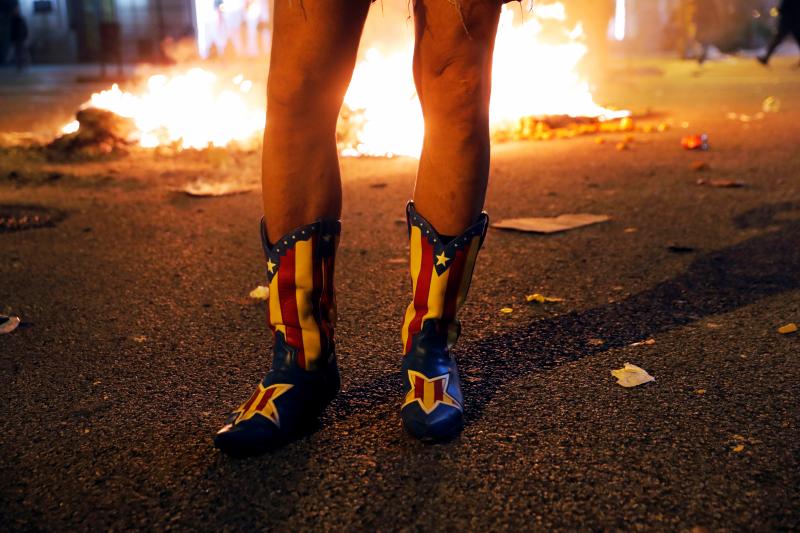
x,y
139,337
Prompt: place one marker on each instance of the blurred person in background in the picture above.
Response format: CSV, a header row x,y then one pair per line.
x,y
709,22
682,28
18,33
788,24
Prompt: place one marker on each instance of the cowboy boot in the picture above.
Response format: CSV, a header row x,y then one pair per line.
x,y
441,271
301,314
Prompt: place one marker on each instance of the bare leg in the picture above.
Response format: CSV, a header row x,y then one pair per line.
x,y
452,71
313,54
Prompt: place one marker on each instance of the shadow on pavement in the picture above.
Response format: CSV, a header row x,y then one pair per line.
x,y
717,282
714,283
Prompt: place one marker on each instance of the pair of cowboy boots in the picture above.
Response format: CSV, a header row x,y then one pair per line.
x,y
302,313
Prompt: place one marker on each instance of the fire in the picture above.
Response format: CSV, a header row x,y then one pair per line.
x,y
381,115
192,109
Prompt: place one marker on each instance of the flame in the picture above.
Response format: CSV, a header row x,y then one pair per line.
x,y
533,77
382,115
193,109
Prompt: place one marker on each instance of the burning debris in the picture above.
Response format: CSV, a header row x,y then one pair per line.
x,y
99,132
381,115
192,109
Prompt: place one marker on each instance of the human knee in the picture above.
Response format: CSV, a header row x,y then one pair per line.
x,y
456,92
454,62
299,91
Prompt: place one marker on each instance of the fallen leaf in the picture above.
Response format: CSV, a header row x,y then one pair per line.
x,y
713,325
771,104
202,188
596,342
788,328
138,338
721,183
648,342
260,293
700,391
551,224
737,448
506,310
631,230
8,323
631,376
700,166
540,298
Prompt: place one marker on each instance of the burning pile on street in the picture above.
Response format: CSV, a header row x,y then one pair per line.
x,y
100,132
381,115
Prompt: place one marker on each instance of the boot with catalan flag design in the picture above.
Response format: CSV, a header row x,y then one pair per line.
x,y
441,271
301,313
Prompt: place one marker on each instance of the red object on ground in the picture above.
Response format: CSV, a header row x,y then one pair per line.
x,y
695,142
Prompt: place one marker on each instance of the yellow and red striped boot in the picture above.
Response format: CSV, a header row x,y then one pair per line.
x,y
441,270
302,313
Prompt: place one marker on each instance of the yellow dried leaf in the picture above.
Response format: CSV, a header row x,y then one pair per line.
x,y
737,448
648,342
771,104
506,310
541,298
700,391
788,328
260,293
631,376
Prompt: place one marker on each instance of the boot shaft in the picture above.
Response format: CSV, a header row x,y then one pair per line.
x,y
302,300
441,273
